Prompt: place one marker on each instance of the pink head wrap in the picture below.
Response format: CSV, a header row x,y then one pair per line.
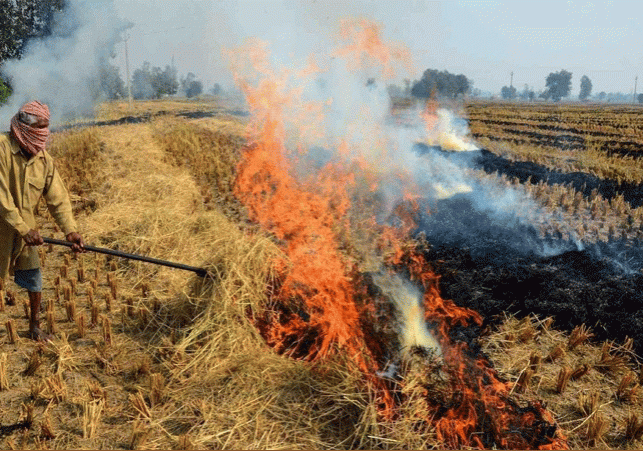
x,y
32,139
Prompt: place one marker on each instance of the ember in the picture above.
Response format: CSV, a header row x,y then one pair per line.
x,y
346,271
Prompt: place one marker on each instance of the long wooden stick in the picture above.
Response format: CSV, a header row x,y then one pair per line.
x,y
102,250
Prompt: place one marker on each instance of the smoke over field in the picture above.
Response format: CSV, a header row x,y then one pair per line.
x,y
62,70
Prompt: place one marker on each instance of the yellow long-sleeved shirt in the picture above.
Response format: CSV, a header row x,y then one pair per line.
x,y
22,183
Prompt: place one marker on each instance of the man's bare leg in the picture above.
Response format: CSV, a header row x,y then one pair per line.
x,y
35,333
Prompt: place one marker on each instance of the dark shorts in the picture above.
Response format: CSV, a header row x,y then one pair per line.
x,y
29,279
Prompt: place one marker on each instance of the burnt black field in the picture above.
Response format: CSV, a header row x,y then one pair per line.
x,y
498,267
574,287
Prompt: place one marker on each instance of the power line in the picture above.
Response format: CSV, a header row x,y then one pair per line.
x,y
164,31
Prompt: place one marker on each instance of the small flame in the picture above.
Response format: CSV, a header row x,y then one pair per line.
x,y
365,48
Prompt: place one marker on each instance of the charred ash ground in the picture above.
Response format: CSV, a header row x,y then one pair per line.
x,y
498,268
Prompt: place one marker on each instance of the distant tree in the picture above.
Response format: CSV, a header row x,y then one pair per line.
x,y
462,85
152,83
527,94
195,88
639,98
435,83
164,82
602,95
619,97
508,93
585,87
111,84
191,86
216,89
558,85
142,82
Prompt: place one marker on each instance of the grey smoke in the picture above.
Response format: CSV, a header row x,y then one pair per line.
x,y
61,70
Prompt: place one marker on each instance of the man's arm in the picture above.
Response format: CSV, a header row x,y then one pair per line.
x,y
8,210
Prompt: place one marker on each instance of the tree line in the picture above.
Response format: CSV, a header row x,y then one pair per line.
x,y
442,84
557,86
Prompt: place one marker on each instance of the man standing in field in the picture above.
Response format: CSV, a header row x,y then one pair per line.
x,y
27,173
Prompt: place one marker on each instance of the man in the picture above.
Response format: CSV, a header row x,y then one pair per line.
x,y
27,173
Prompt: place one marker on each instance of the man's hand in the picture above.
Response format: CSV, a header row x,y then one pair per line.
x,y
75,238
33,238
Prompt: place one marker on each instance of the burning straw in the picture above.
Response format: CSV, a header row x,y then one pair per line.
x,y
320,307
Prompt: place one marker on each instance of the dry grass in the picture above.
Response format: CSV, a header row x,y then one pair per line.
x,y
211,157
529,132
108,111
79,158
205,351
589,219
589,387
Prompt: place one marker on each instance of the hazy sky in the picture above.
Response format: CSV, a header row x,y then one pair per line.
x,y
485,40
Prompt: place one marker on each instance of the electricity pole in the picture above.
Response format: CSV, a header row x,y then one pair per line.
x,y
129,84
511,86
634,98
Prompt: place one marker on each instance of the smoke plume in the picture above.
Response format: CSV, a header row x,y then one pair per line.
x,y
62,69
336,109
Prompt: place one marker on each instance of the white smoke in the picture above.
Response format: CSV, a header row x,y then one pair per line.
x,y
62,69
407,299
353,121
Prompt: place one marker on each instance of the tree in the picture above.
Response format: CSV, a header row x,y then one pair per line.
x,y
527,94
462,85
435,83
585,87
152,83
5,92
639,98
23,20
602,95
191,86
164,82
216,89
508,93
142,82
558,85
111,84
